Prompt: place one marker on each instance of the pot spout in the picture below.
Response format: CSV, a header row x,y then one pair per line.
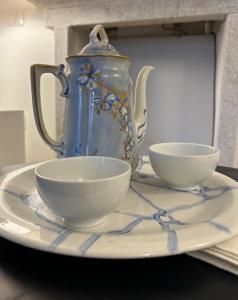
x,y
140,102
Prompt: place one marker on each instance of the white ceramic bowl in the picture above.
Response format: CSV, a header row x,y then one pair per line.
x,y
183,165
83,190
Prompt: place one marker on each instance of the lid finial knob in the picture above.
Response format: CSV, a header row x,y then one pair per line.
x,y
97,31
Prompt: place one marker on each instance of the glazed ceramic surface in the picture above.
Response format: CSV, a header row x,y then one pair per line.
x,y
81,190
101,116
183,165
150,221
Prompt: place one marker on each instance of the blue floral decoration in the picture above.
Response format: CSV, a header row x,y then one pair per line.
x,y
89,75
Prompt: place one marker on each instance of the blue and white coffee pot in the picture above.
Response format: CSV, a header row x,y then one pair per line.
x,y
101,117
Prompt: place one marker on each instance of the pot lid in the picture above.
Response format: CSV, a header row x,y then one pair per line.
x,y
99,44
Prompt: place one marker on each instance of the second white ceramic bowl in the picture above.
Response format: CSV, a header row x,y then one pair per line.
x,y
83,190
183,165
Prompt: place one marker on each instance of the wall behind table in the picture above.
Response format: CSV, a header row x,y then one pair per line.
x,y
180,91
22,46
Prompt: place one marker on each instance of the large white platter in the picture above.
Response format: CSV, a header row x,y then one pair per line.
x,y
151,221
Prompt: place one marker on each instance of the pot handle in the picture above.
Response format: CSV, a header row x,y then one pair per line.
x,y
36,72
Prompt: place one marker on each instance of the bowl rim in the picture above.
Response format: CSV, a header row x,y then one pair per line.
x,y
215,153
83,181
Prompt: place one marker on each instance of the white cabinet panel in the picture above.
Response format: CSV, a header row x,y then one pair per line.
x,y
12,138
